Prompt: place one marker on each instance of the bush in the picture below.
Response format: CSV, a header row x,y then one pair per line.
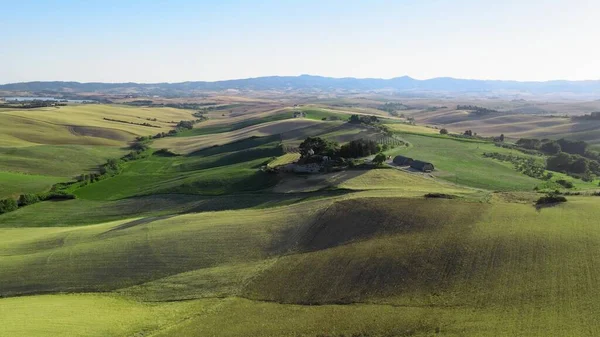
x,y
551,199
59,195
439,196
28,199
565,183
8,205
379,158
165,153
443,132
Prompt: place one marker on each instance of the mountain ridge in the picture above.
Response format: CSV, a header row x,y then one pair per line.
x,y
312,82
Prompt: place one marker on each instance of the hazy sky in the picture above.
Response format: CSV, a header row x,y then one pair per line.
x,y
177,40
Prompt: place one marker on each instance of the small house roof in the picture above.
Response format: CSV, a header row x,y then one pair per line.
x,y
401,157
420,164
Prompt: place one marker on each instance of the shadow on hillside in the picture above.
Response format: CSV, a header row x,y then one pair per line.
x,y
355,220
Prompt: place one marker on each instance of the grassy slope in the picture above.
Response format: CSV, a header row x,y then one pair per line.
x,y
56,160
214,171
192,144
84,315
59,143
14,184
461,161
466,269
83,124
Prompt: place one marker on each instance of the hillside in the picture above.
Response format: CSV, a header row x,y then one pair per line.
x,y
451,271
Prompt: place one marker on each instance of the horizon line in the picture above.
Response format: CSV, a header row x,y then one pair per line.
x,y
308,75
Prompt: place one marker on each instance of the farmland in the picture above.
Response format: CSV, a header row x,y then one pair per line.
x,y
199,235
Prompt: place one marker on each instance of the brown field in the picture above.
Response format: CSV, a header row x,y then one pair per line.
x,y
195,143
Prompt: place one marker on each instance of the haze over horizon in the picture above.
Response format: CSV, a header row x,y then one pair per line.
x,y
149,42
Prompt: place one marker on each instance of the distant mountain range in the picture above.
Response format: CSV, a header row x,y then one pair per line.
x,y
313,83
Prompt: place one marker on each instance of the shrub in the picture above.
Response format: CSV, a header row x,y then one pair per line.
x,y
565,183
165,153
28,199
59,195
443,132
379,158
439,195
551,199
8,205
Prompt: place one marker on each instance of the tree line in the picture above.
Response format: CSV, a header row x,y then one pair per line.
x,y
317,146
567,156
477,110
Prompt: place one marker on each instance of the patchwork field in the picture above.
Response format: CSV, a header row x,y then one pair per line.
x,y
55,144
514,125
207,242
85,124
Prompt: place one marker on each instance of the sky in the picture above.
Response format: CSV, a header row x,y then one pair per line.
x,y
186,40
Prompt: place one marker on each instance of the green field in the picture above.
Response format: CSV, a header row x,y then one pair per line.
x,y
470,268
57,144
14,184
462,162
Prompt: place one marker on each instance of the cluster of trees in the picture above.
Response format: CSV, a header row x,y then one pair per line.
x,y
318,146
31,104
392,108
549,146
363,119
574,165
354,149
359,148
527,166
567,156
476,109
594,116
10,204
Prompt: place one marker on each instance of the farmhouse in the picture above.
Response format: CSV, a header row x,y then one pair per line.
x,y
402,161
422,166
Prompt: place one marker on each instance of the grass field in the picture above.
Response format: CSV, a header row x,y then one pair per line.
x,y
470,268
462,162
213,171
51,145
84,124
57,160
14,184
